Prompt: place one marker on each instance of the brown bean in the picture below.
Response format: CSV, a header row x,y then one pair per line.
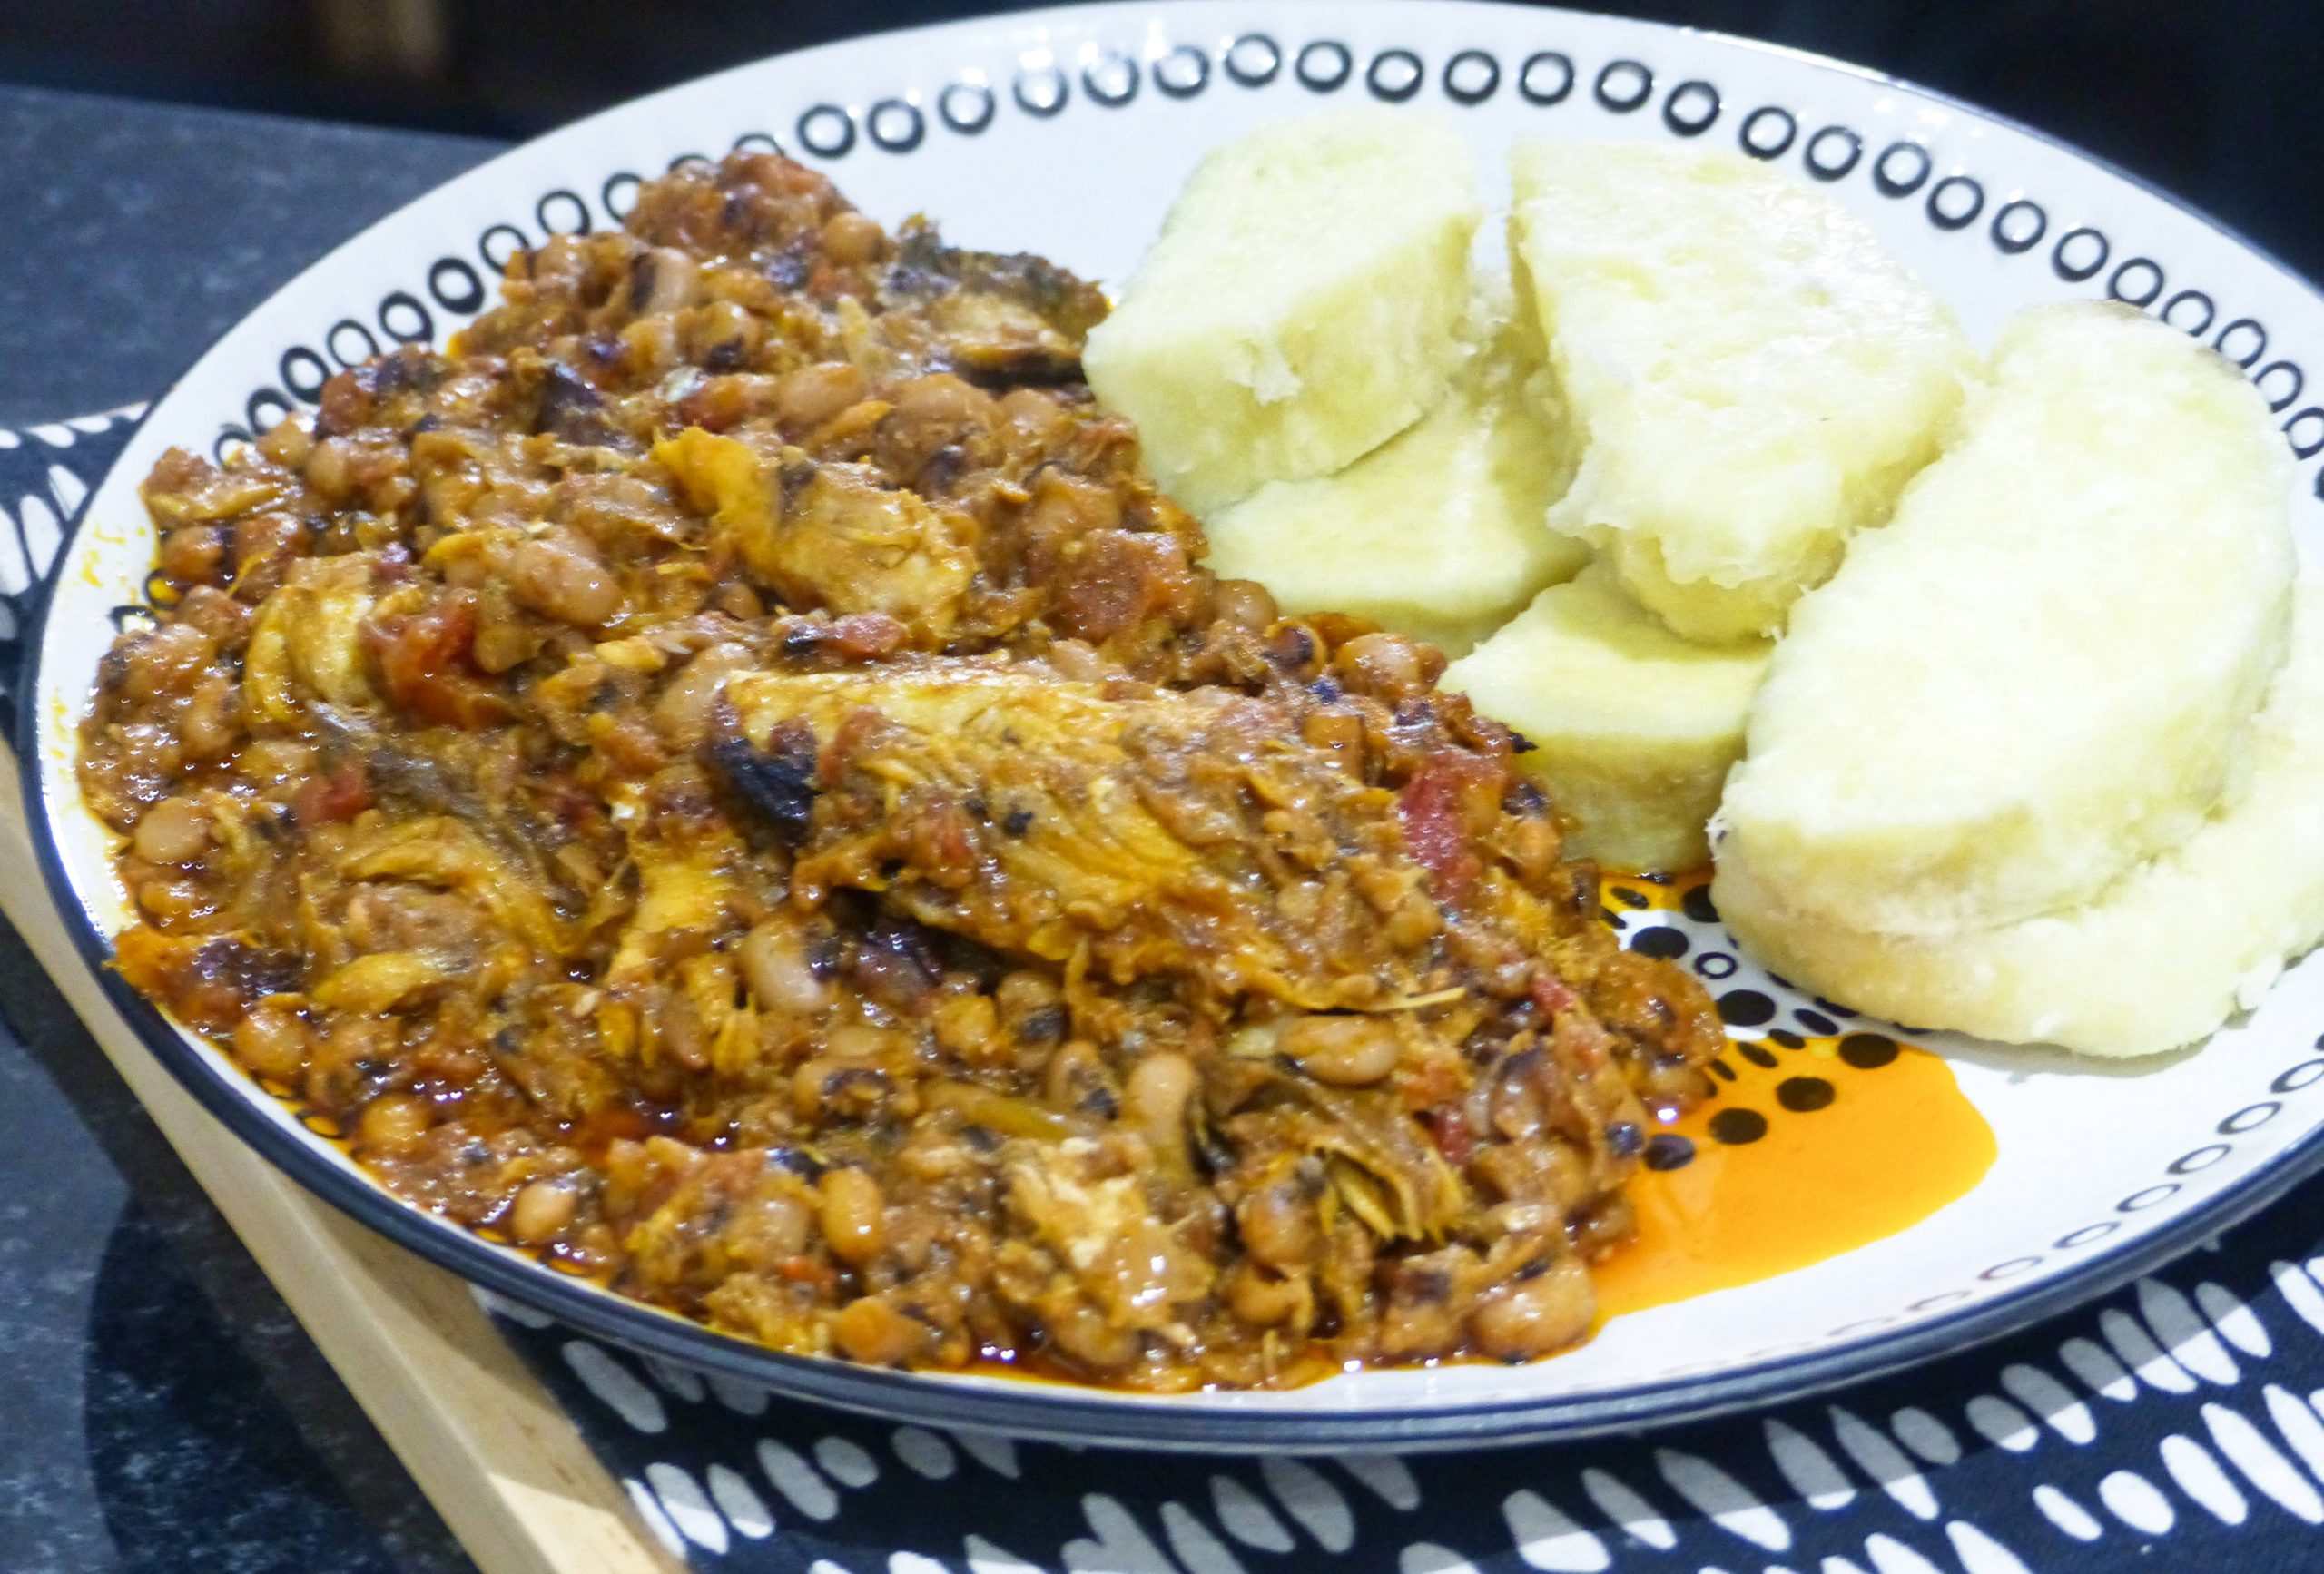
x,y
662,279
542,1210
850,238
1037,421
876,1333
1340,732
940,398
1154,1102
1534,1317
175,831
854,1215
1032,1010
1278,1228
272,1041
1263,1300
393,1123
165,661
683,712
287,442
1387,666
814,394
1244,602
1086,1335
1345,1051
191,554
560,582
780,977
721,335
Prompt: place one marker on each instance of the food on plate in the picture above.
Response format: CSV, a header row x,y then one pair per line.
x,y
1634,728
1754,378
1437,533
734,778
1301,306
2159,959
2044,670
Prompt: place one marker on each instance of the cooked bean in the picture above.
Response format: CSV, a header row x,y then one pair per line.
x,y
850,238
542,1211
1387,666
164,662
775,967
1154,1102
853,1216
814,394
192,552
681,715
1032,1010
393,1123
770,1230
662,279
1265,1299
1087,1336
272,1040
175,831
1346,1051
940,399
1342,732
1534,1317
560,582
1278,1226
876,1333
1244,602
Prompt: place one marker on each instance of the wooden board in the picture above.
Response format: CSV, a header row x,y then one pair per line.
x,y
501,1461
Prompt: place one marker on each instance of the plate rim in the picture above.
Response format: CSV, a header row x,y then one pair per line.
x,y
1060,1411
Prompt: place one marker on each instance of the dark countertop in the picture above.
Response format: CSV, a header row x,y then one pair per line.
x,y
141,232
160,1410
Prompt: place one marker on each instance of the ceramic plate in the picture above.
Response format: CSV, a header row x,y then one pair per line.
x,y
1066,132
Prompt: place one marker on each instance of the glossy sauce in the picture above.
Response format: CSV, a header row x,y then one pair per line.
x,y
1816,1146
1811,1145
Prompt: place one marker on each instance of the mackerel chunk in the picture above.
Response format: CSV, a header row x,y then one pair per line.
x,y
1188,834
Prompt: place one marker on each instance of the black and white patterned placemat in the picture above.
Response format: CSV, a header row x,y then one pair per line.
x,y
2179,1423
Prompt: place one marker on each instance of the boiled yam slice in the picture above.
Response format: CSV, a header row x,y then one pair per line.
x,y
2038,673
1300,306
1437,533
2159,959
1757,377
1633,727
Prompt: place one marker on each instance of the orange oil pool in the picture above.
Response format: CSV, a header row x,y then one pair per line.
x,y
1811,1146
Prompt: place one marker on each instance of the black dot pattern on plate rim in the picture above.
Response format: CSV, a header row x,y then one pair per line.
x,y
1805,1095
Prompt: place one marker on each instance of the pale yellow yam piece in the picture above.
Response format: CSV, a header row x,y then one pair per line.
x,y
1301,306
2038,675
1757,378
2159,959
1633,727
1436,533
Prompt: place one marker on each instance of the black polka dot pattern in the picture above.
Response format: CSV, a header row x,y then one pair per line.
x,y
1667,1150
1869,1051
1805,1095
1662,942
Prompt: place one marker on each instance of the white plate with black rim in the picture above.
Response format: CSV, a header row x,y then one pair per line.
x,y
1066,132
